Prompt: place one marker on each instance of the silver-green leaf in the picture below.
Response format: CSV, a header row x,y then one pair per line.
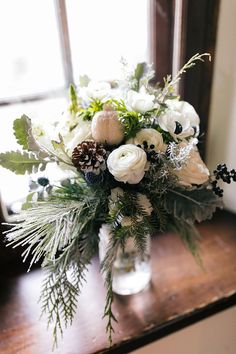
x,y
22,162
192,205
23,132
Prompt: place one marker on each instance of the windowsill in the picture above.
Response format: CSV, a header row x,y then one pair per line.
x,y
181,293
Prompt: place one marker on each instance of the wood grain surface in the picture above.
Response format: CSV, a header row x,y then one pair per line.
x,y
179,292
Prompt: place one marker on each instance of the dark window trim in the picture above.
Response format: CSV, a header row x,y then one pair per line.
x,y
161,36
200,20
198,35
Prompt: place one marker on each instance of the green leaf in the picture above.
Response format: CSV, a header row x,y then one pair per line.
x,y
192,205
58,144
139,70
22,162
138,74
29,199
23,133
189,236
74,107
132,123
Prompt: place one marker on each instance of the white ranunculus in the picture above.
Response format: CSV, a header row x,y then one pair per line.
x,y
99,90
140,101
194,171
127,163
144,203
180,120
151,136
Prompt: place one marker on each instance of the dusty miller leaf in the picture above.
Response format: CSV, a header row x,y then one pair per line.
x,y
23,133
22,162
192,205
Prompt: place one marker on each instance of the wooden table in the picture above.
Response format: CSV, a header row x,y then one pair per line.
x,y
180,293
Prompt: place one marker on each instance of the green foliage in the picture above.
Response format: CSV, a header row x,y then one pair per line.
x,y
94,107
62,234
22,162
191,204
62,284
117,105
132,122
158,179
189,235
29,200
138,74
61,154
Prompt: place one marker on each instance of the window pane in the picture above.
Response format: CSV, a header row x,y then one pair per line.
x,y
103,31
14,188
30,59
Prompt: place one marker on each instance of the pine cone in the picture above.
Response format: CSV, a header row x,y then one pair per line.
x,y
89,156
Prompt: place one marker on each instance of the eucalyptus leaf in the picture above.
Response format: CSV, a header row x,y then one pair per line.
x,y
192,205
22,162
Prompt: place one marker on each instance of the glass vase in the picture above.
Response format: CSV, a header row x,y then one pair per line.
x,y
131,271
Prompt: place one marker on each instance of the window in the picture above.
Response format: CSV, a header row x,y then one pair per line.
x,y
47,45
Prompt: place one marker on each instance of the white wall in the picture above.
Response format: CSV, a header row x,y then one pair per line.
x,y
215,335
222,129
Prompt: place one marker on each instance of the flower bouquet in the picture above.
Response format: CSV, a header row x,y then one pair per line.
x,y
133,169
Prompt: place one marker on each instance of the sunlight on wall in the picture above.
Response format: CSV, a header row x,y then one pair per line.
x,y
222,128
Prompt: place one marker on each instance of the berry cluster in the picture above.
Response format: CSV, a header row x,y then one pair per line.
x,y
152,155
222,173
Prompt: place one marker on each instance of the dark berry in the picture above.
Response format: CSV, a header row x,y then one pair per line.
x,y
92,178
178,128
145,144
43,181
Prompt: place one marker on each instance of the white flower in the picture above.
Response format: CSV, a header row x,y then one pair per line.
x,y
127,163
144,203
194,171
140,101
186,109
180,120
44,134
80,133
151,136
99,90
